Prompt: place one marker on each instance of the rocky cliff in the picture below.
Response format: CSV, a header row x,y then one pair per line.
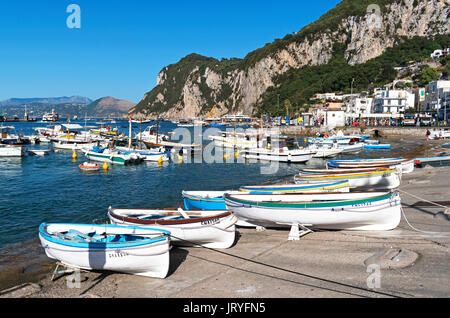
x,y
191,87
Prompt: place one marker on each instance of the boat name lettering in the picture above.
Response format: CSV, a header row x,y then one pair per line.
x,y
115,255
210,222
362,204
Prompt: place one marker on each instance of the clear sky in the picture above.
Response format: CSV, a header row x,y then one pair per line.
x,y
122,45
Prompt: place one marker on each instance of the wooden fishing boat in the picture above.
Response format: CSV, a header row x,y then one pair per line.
x,y
377,146
203,200
378,179
407,165
377,211
135,250
338,170
280,155
433,161
214,229
213,200
342,186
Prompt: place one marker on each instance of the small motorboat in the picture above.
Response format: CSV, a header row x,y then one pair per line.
x,y
377,146
88,166
135,250
38,152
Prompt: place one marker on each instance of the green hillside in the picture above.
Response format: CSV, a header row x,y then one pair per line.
x,y
297,86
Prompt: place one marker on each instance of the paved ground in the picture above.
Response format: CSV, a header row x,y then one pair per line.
x,y
411,262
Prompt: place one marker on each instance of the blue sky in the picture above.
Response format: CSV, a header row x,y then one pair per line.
x,y
122,45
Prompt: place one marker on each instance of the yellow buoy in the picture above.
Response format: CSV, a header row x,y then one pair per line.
x,y
160,160
105,166
74,155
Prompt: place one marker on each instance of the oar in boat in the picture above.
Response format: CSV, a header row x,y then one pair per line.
x,y
183,213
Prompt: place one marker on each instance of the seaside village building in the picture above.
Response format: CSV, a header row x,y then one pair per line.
x,y
392,101
436,99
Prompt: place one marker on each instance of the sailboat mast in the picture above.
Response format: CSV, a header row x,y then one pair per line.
x,y
129,140
140,139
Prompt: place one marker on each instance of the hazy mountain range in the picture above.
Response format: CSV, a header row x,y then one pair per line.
x,y
46,100
66,106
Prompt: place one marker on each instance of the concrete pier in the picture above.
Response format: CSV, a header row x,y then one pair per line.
x,y
382,131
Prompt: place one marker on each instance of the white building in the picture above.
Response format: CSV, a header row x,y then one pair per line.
x,y
332,118
359,105
393,101
440,53
436,96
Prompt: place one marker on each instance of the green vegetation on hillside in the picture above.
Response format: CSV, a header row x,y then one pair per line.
x,y
327,23
300,85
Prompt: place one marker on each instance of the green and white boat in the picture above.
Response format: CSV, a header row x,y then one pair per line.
x,y
112,156
368,211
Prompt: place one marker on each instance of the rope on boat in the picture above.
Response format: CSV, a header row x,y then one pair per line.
x,y
434,203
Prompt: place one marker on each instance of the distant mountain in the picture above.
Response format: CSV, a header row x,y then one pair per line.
x,y
109,106
47,100
68,107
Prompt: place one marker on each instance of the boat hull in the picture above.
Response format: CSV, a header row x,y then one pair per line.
x,y
148,259
195,200
387,179
368,214
12,151
407,166
284,156
213,229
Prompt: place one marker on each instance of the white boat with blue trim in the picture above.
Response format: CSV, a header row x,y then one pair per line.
x,y
380,179
134,250
407,165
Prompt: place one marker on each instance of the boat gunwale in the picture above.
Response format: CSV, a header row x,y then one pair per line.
x,y
43,231
167,222
310,204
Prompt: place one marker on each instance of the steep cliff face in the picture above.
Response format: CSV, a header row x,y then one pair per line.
x,y
191,87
